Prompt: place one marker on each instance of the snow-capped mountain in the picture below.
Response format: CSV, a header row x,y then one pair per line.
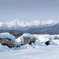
x,y
36,23
20,25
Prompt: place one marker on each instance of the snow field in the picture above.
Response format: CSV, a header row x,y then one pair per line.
x,y
48,52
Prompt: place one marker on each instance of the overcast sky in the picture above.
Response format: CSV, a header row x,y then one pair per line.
x,y
29,10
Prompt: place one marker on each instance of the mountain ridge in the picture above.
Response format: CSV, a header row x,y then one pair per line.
x,y
18,24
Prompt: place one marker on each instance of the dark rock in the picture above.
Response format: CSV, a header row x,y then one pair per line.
x,y
6,41
47,43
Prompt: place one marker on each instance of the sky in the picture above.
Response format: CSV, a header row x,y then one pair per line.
x,y
29,10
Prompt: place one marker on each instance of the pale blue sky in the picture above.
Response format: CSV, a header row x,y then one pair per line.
x,y
29,10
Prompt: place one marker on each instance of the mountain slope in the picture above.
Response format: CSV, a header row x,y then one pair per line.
x,y
52,29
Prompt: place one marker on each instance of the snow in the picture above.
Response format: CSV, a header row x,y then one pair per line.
x,y
17,23
47,37
49,22
4,48
1,24
37,50
7,35
18,39
50,52
38,22
43,38
26,35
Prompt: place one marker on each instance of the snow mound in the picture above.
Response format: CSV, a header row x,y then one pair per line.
x,y
46,37
4,48
43,38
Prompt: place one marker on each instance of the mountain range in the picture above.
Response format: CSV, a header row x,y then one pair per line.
x,y
47,26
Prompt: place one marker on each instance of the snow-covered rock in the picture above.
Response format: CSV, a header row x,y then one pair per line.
x,y
26,38
8,39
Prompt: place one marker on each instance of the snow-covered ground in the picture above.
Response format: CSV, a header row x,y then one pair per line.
x,y
34,51
48,52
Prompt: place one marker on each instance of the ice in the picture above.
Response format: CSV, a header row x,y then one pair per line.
x,y
7,35
28,35
37,50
